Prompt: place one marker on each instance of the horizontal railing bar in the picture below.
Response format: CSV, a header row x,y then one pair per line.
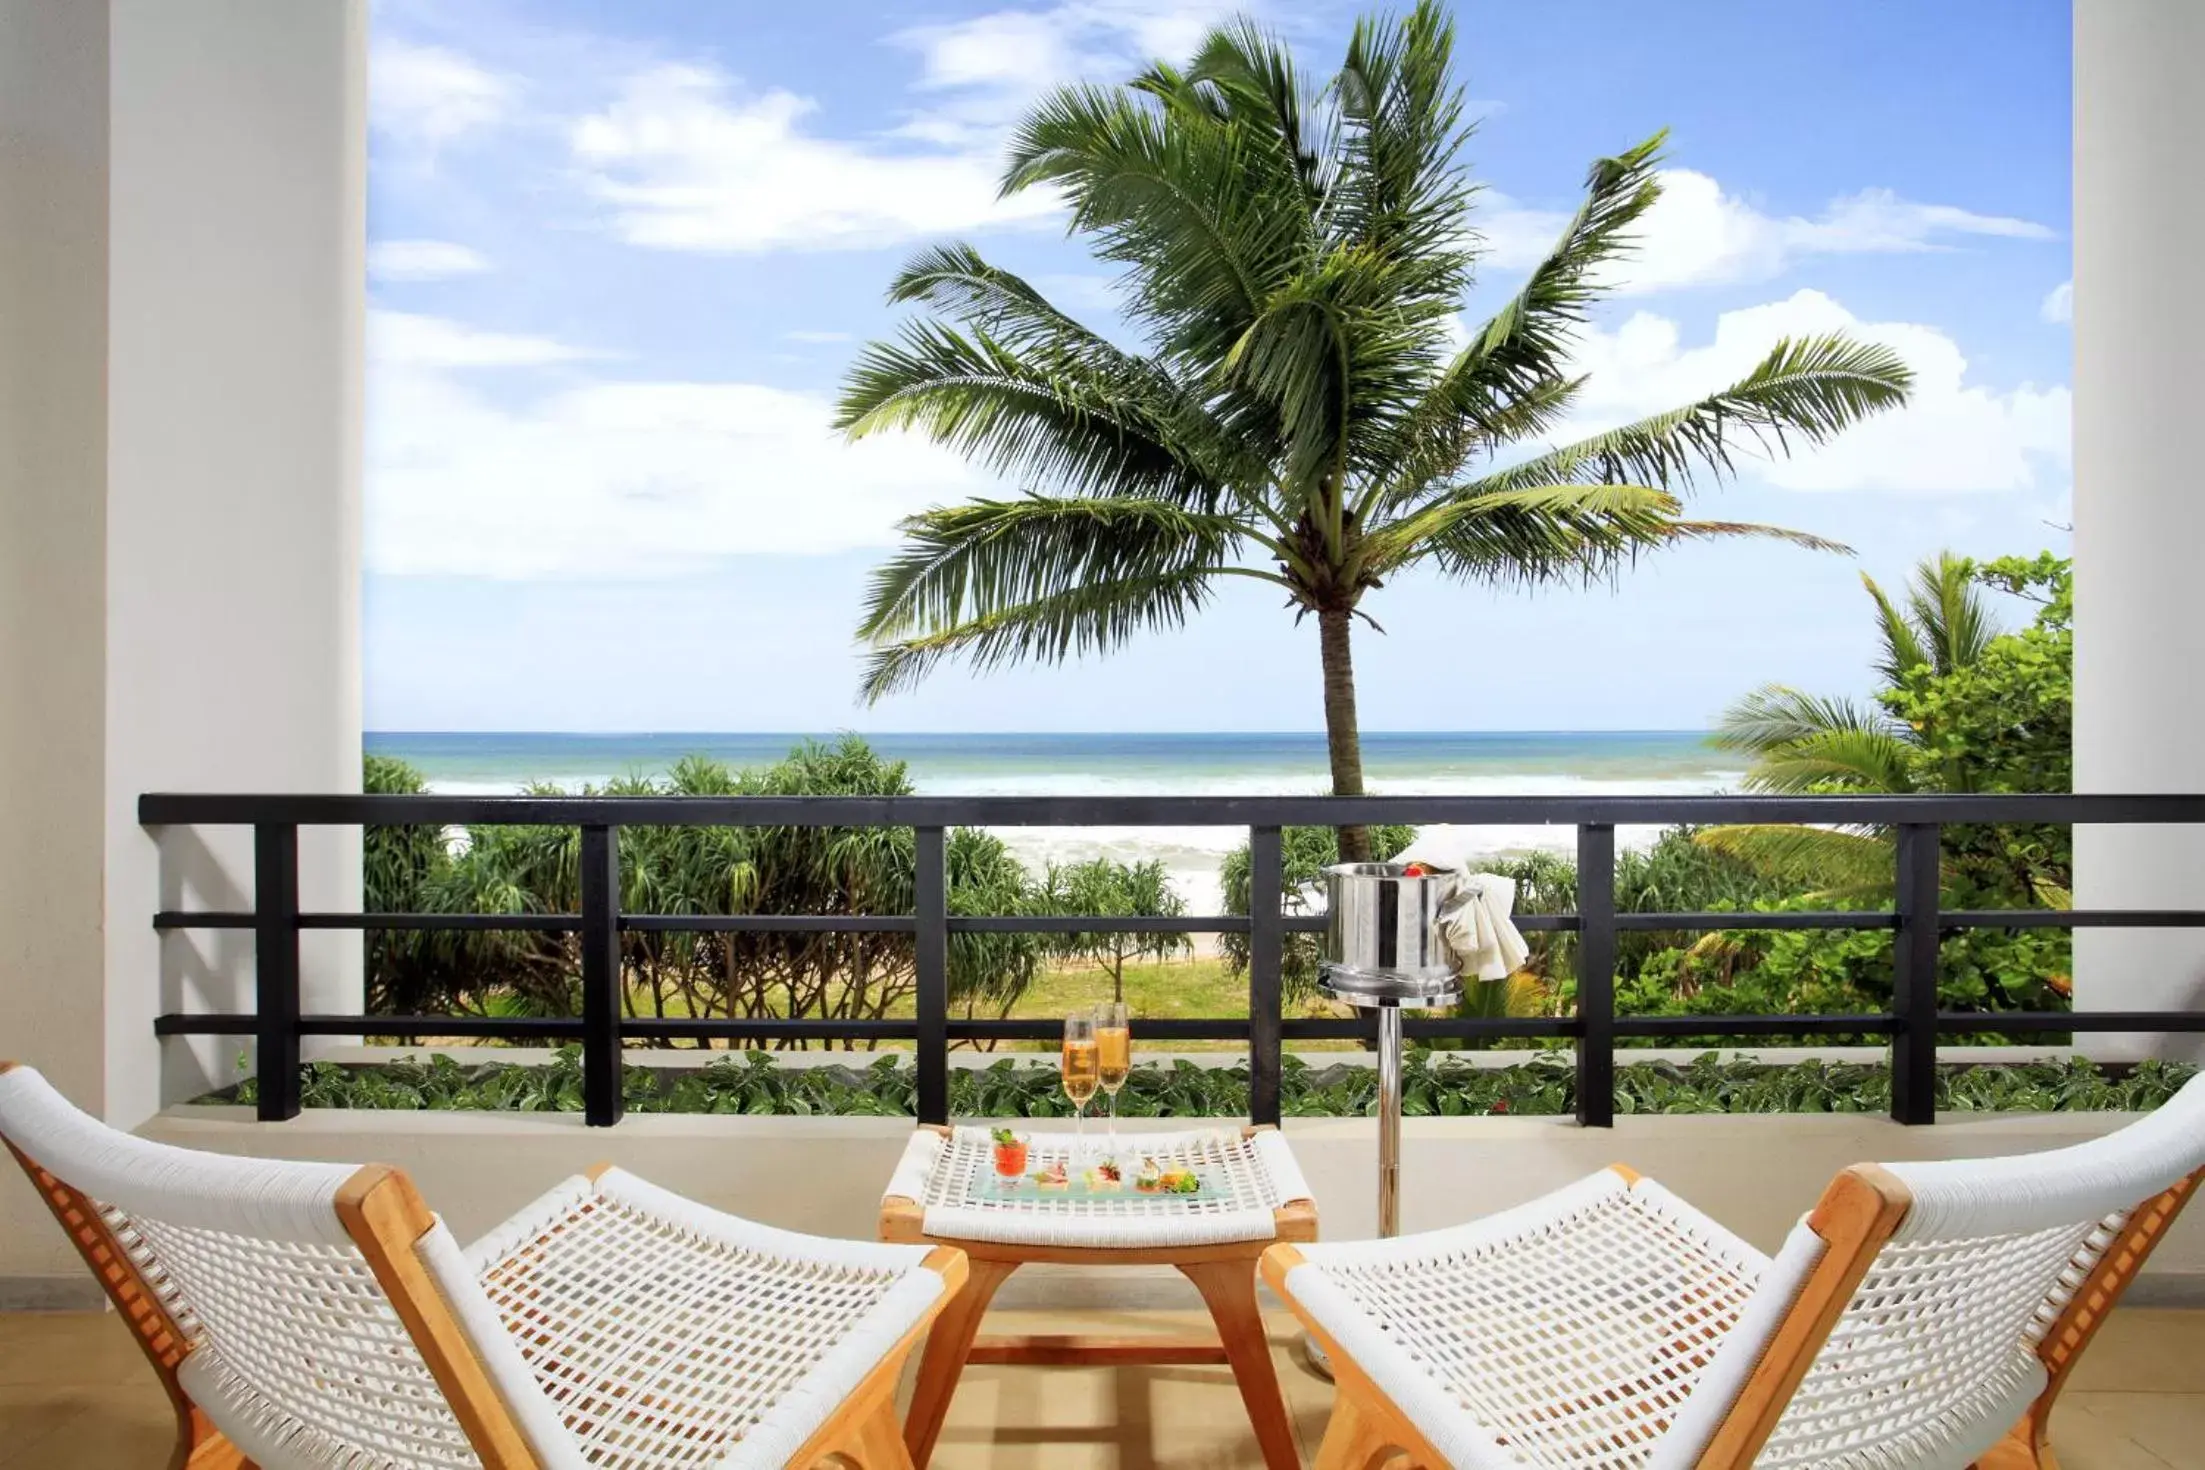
x,y
769,923
475,923
2072,918
768,1027
1146,1031
508,1028
179,1024
203,919
1951,919
2076,1021
1803,919
1097,924
1809,1025
428,809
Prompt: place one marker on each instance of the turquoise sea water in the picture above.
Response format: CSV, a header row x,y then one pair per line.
x,y
1056,763
1472,763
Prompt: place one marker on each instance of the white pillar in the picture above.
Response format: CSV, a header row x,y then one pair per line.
x,y
2139,495
182,290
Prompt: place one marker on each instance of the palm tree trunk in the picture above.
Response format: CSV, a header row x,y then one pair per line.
x,y
1343,742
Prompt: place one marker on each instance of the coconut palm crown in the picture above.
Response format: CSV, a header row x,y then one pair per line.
x,y
1305,410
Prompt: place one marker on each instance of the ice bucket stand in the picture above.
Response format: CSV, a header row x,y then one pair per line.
x,y
1382,953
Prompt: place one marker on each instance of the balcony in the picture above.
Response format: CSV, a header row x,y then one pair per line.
x,y
180,495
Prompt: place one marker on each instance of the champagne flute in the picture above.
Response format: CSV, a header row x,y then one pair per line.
x,y
1082,1072
1114,1054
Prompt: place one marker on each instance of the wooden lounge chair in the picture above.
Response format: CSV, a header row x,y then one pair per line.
x,y
1923,1316
318,1314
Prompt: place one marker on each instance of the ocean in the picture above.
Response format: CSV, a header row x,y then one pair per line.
x,y
1559,762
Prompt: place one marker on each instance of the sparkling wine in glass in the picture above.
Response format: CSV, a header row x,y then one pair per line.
x,y
1082,1069
1114,1056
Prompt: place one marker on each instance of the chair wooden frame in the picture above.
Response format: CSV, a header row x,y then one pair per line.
x,y
386,1218
1224,1274
1861,1210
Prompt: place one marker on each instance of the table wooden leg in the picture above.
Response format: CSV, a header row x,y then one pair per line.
x,y
944,1359
1229,1290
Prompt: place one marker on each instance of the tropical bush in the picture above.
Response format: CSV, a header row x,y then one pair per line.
x,y
703,870
1433,1085
1107,888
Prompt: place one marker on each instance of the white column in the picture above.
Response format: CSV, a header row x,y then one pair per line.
x,y
182,288
2139,494
53,467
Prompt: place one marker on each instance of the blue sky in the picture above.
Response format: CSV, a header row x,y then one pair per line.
x,y
621,253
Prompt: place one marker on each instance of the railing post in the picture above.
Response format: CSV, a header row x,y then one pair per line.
x,y
930,905
602,974
276,968
1596,975
1914,976
1266,966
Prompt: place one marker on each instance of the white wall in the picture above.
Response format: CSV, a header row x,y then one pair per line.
x,y
238,273
53,464
182,288
2139,501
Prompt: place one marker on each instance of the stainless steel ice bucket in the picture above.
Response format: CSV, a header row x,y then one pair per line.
x,y
1380,944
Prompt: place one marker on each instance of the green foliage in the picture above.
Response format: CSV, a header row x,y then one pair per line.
x,y
1106,888
1432,1086
703,870
1305,853
398,866
1965,707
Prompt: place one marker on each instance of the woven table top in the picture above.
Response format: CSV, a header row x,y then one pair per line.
x,y
1246,1177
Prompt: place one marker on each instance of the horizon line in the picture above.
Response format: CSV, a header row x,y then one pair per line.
x,y
1163,734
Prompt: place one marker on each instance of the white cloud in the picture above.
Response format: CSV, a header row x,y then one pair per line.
x,y
1697,234
684,163
1953,436
430,95
817,336
2059,304
423,260
612,479
406,340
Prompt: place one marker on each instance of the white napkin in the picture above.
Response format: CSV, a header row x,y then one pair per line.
x,y
1475,926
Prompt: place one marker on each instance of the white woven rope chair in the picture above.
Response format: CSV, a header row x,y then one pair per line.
x,y
1923,1317
318,1315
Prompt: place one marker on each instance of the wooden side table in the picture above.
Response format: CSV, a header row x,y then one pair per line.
x,y
941,1194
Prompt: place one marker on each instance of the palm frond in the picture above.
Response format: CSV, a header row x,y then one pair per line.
x,y
1039,413
1841,864
1808,389
1092,619
1038,578
1509,382
1401,191
1530,535
1776,715
1902,646
1948,608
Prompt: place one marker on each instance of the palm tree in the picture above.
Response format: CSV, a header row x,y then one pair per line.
x,y
1804,743
1305,412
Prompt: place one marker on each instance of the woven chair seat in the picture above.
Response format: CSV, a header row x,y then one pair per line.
x,y
1566,1332
667,1334
1247,1175
611,1325
1921,1316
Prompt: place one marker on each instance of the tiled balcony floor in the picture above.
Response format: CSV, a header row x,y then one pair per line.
x,y
74,1393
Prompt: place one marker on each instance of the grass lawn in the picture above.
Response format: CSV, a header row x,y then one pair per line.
x,y
1198,988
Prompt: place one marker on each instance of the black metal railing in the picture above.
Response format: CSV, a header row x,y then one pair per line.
x,y
1913,1023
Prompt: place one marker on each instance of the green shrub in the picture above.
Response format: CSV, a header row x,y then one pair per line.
x,y
1433,1085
